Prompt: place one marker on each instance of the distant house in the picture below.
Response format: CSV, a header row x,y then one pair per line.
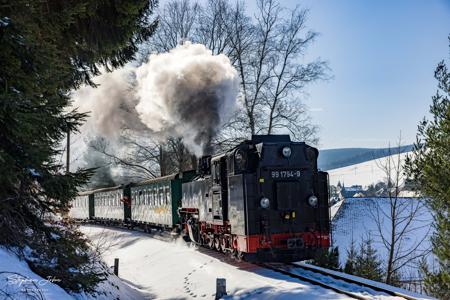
x,y
349,192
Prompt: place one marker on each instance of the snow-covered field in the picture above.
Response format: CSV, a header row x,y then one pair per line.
x,y
168,269
18,282
356,220
364,174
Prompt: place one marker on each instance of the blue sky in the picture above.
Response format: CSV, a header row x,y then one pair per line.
x,y
382,55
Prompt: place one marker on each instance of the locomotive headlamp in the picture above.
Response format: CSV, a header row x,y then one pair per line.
x,y
286,151
313,201
265,202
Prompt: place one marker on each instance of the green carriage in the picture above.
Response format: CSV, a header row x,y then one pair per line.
x,y
156,201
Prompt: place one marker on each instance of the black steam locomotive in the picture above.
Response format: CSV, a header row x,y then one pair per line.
x,y
264,200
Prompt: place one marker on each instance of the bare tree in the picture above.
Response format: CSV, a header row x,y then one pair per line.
x,y
138,156
267,51
177,21
272,74
399,223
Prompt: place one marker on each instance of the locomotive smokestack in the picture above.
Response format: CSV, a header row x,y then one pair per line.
x,y
187,93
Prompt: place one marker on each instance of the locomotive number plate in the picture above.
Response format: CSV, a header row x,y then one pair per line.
x,y
285,174
295,243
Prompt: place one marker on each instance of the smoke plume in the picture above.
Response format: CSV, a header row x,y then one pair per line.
x,y
187,93
111,105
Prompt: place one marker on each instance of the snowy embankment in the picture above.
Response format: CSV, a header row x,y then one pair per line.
x,y
364,174
173,270
17,281
357,220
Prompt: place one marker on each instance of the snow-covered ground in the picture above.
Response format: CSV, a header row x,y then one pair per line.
x,y
356,220
364,174
18,282
173,270
334,209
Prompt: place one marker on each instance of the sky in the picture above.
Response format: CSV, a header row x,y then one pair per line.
x,y
382,55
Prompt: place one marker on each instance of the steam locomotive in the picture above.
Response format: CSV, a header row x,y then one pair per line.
x,y
264,200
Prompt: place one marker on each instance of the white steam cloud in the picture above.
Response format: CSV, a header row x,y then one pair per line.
x,y
111,105
188,93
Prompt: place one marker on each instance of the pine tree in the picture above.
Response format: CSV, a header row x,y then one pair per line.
x,y
367,264
429,167
49,48
328,259
349,267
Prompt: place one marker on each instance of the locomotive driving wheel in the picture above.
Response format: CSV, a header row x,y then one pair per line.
x,y
210,242
223,244
217,244
239,256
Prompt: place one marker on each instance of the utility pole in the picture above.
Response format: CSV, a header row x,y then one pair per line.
x,y
68,152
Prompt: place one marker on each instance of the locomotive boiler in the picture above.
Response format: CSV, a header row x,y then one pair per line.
x,y
264,200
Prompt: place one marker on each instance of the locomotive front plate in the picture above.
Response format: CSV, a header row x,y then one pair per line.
x,y
295,243
285,174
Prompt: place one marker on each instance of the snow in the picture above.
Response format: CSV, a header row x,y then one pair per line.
x,y
356,221
174,270
334,209
368,282
17,281
171,269
364,174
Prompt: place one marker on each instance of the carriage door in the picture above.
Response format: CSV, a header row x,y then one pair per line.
x,y
219,190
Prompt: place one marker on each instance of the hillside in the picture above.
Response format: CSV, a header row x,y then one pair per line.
x,y
365,173
338,158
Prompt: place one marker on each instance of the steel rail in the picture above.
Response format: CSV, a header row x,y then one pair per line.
x,y
351,280
315,282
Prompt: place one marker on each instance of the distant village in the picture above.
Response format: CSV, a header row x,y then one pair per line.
x,y
378,190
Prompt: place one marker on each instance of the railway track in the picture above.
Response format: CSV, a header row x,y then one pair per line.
x,y
357,289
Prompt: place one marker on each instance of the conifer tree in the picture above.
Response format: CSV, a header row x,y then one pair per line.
x,y
328,259
367,263
49,48
429,167
349,267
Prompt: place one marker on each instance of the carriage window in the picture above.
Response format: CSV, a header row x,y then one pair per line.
x,y
167,195
164,196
